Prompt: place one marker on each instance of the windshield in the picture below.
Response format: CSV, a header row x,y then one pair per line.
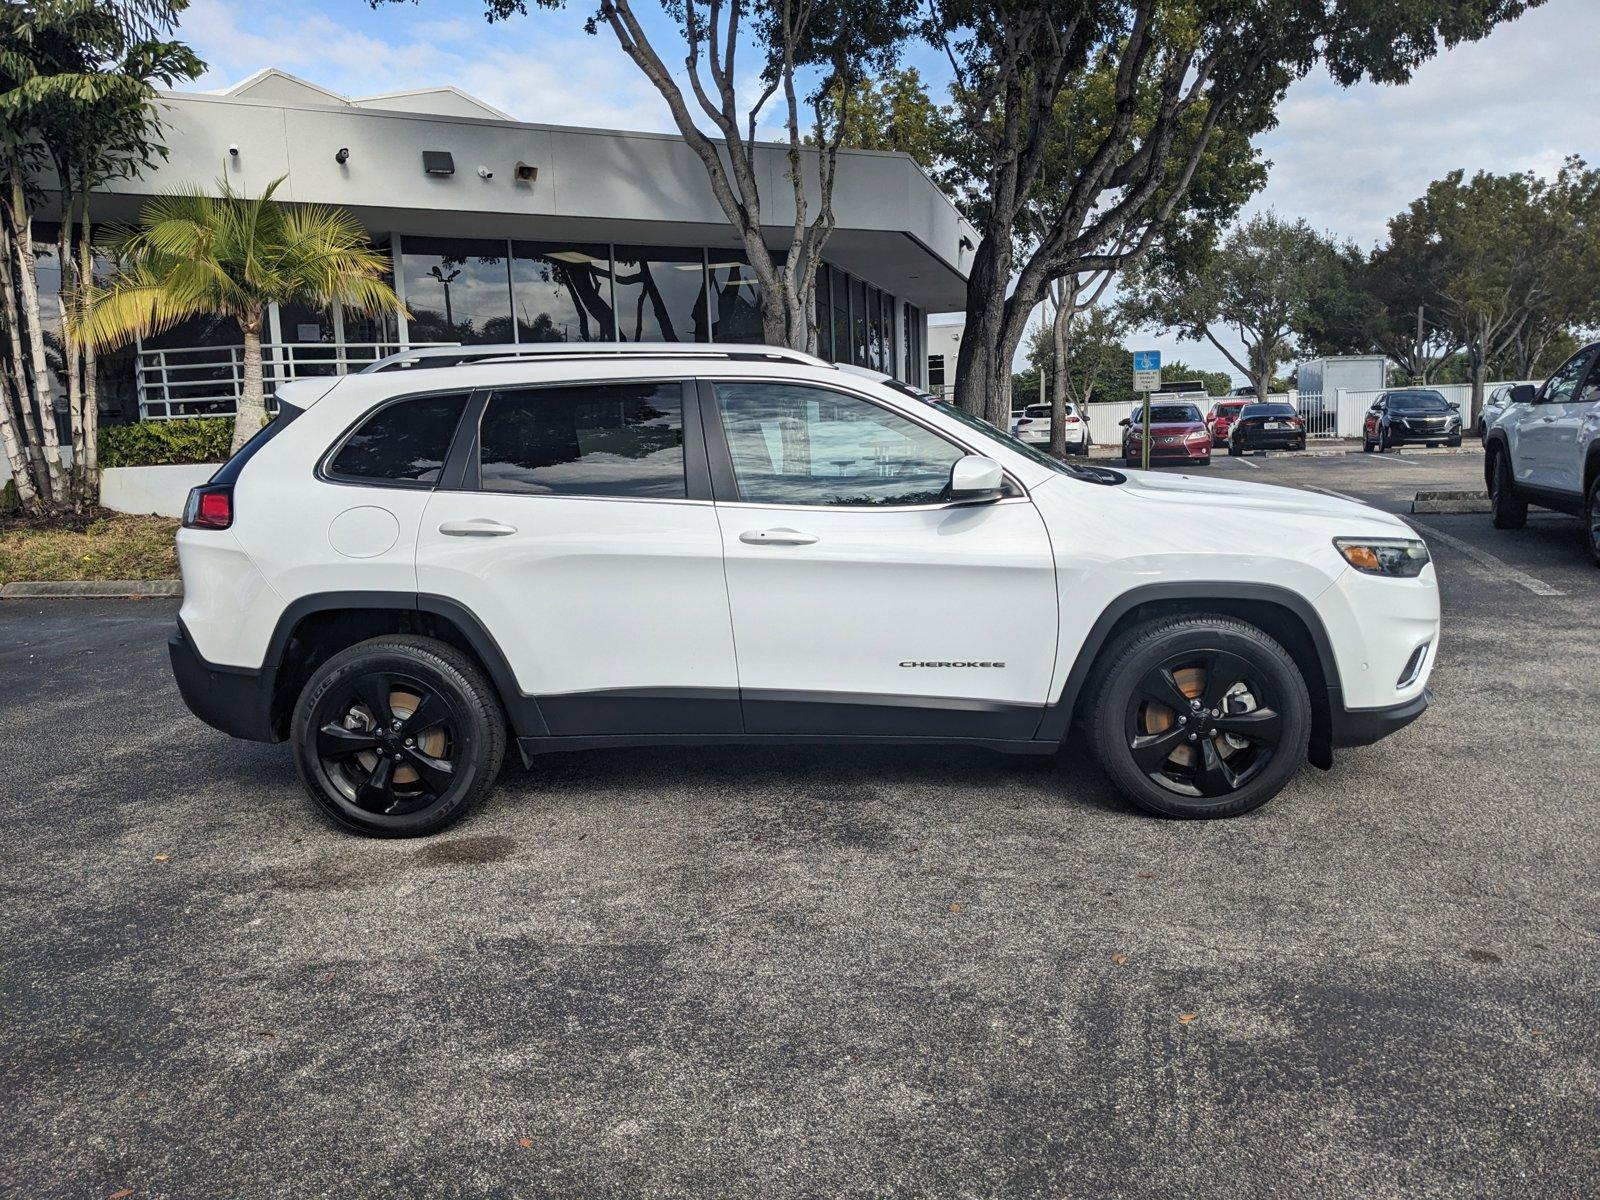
x,y
1426,402
1087,474
1167,414
1268,410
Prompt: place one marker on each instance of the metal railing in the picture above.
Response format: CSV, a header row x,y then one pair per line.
x,y
203,381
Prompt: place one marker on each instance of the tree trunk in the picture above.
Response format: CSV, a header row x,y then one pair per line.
x,y
27,427
1065,309
1480,373
251,414
71,360
983,365
90,475
16,456
28,286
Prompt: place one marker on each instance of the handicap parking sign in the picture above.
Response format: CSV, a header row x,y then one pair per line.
x,y
1147,360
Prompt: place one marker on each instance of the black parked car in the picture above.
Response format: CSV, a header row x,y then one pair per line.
x,y
1410,415
1266,427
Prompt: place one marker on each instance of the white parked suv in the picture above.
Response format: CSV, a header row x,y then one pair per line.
x,y
1544,448
574,548
1032,425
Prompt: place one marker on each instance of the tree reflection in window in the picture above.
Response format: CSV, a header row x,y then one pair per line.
x,y
595,439
661,294
562,293
457,290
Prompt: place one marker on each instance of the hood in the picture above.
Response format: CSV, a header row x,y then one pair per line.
x,y
1236,497
1168,426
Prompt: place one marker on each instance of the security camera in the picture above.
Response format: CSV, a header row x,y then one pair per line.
x,y
485,173
343,156
233,151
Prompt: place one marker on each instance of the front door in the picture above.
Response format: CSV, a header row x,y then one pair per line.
x,y
1542,433
575,537
864,603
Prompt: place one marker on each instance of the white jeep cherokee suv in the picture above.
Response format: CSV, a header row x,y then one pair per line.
x,y
1544,448
635,546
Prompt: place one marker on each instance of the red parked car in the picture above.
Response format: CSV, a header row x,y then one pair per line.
x,y
1223,414
1177,434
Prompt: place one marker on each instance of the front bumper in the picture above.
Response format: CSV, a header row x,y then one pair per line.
x,y
235,700
1363,726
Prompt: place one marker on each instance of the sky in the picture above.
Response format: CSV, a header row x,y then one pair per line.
x,y
1344,159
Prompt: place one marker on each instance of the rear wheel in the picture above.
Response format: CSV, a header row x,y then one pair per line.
x,y
1235,450
1201,717
1366,444
398,736
1384,441
1510,511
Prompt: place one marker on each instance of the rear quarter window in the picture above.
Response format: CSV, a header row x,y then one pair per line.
x,y
405,442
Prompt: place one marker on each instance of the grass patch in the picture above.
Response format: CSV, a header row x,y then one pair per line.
x,y
98,545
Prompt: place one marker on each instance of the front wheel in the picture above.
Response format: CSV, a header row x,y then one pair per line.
x,y
1510,510
1592,511
398,736
1201,717
1235,451
1454,443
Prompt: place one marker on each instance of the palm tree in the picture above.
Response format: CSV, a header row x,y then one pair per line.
x,y
193,254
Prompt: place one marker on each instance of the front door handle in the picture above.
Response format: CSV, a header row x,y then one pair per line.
x,y
477,527
776,537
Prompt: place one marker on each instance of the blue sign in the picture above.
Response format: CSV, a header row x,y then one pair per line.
x,y
1147,360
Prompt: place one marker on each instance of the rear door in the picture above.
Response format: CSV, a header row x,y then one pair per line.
x,y
578,526
1543,435
863,602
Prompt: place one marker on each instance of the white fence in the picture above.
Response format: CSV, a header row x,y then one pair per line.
x,y
198,381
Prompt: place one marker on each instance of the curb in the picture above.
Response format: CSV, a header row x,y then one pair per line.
x,y
1450,502
91,589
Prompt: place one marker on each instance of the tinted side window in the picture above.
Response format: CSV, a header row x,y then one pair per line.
x,y
612,439
405,442
800,445
1565,380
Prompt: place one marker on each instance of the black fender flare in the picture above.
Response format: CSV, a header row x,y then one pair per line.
x,y
1495,441
1058,715
523,709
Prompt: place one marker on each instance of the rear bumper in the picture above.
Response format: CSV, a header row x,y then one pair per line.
x,y
235,700
1363,726
1275,440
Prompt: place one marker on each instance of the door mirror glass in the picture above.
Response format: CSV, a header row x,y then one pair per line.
x,y
975,479
1521,393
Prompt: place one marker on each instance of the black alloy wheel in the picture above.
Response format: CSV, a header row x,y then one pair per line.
x,y
398,737
1203,717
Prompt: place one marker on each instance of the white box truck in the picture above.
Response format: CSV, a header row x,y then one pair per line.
x,y
1322,379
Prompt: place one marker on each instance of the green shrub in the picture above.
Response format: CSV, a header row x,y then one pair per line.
x,y
159,443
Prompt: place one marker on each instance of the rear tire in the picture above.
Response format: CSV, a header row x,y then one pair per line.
x,y
398,736
1234,451
1177,760
1366,444
1510,511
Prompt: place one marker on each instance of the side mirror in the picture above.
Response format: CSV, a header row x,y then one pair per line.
x,y
1522,393
1454,407
975,479
1125,421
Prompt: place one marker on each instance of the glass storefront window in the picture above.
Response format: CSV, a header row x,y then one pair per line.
x,y
738,298
457,290
840,283
859,325
661,294
562,293
874,329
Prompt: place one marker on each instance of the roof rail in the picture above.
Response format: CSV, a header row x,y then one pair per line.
x,y
433,357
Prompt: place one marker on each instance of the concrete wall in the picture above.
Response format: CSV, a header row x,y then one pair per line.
x,y
152,490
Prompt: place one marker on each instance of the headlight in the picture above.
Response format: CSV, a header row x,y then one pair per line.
x,y
1401,558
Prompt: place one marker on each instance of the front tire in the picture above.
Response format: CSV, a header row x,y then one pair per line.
x,y
1510,511
1592,514
1201,717
398,736
1234,450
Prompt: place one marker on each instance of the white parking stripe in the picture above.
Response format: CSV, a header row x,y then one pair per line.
x,y
1251,465
1341,495
1497,566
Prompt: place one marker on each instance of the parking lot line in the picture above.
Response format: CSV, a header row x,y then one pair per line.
x,y
1498,566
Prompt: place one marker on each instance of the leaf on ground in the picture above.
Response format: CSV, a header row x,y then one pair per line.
x,y
1119,959
525,1142
162,857
954,907
1144,875
1185,1018
121,1194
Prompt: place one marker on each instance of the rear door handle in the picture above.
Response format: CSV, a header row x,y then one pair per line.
x,y
477,527
776,537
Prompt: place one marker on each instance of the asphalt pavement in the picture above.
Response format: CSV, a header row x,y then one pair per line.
x,y
820,971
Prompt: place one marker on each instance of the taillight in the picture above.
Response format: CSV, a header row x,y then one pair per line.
x,y
210,506
1072,420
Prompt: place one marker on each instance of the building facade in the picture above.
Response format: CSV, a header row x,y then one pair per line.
x,y
503,231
